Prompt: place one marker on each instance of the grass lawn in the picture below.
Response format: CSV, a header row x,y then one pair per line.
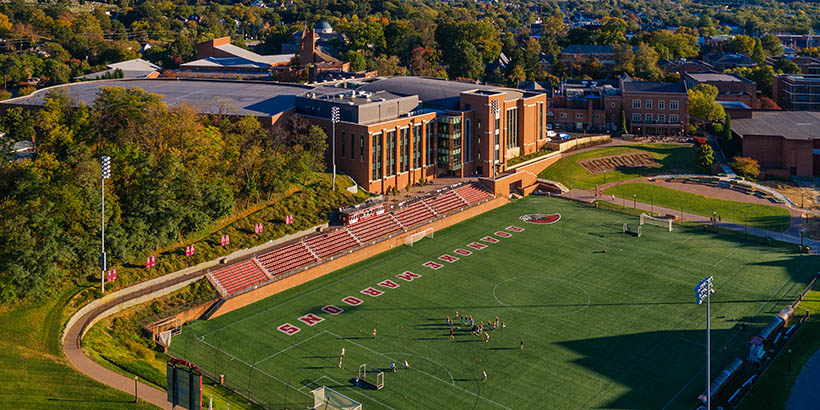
x,y
773,218
673,158
772,392
34,374
602,330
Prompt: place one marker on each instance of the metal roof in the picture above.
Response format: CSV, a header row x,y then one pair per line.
x,y
434,92
795,125
209,96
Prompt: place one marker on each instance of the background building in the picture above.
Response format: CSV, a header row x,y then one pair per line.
x,y
797,92
784,143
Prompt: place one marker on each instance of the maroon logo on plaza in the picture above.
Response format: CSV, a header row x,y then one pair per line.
x,y
540,218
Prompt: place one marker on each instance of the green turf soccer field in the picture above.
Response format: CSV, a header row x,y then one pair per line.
x,y
602,330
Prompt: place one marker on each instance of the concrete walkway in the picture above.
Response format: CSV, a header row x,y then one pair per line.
x,y
805,394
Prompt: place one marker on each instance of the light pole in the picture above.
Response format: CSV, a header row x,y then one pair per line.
x,y
702,292
105,162
634,201
790,361
334,118
496,132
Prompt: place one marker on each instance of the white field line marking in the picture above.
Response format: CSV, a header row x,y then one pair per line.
x,y
799,268
257,369
313,382
291,300
727,255
684,241
422,371
361,394
291,347
452,380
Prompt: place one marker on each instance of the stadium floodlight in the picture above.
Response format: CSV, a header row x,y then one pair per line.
x,y
702,292
334,118
496,133
105,166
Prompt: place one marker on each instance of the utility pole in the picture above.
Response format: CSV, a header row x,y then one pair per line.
x,y
334,118
105,162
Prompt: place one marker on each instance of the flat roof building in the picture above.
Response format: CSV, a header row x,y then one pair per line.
x,y
784,143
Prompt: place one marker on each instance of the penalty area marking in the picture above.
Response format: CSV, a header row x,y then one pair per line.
x,y
581,308
452,380
352,390
421,371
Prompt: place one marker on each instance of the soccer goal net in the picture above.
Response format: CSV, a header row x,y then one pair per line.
x,y
325,398
371,376
409,240
635,231
662,222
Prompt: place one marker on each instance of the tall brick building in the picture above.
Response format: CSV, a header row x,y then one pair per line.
x,y
784,143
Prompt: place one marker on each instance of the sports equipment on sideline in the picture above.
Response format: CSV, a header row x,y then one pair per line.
x,y
662,222
409,240
326,398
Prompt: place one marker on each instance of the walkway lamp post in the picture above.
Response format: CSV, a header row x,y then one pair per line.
x,y
703,290
105,162
334,118
496,132
634,201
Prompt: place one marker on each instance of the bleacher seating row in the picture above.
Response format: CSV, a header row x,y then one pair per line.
x,y
239,276
299,254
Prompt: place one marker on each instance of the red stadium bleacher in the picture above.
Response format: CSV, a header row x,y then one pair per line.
x,y
240,276
413,214
473,193
374,227
288,257
332,243
446,202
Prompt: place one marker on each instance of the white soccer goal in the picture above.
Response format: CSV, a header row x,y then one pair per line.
x,y
631,231
325,398
371,376
409,240
652,220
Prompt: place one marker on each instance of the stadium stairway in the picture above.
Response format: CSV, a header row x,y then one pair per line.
x,y
240,276
286,258
373,228
329,244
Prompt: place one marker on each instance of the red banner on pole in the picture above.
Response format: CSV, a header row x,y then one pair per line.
x,y
225,240
190,250
150,262
288,219
258,228
112,275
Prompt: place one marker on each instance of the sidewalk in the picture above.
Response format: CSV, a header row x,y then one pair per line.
x,y
805,395
589,196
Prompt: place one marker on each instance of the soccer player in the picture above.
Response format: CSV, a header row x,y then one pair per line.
x,y
343,351
340,361
406,365
457,314
374,332
392,366
503,325
486,337
522,344
484,375
452,335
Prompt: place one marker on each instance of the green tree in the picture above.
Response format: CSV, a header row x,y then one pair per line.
x,y
758,55
356,59
705,157
387,65
725,138
622,129
646,63
772,45
702,106
467,63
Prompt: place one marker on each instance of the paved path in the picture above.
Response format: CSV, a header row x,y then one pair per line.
x,y
805,394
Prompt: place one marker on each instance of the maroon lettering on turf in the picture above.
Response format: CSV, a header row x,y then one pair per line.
x,y
432,265
448,258
462,252
372,292
503,234
288,329
408,276
352,301
476,245
310,319
489,239
332,310
387,283
514,228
